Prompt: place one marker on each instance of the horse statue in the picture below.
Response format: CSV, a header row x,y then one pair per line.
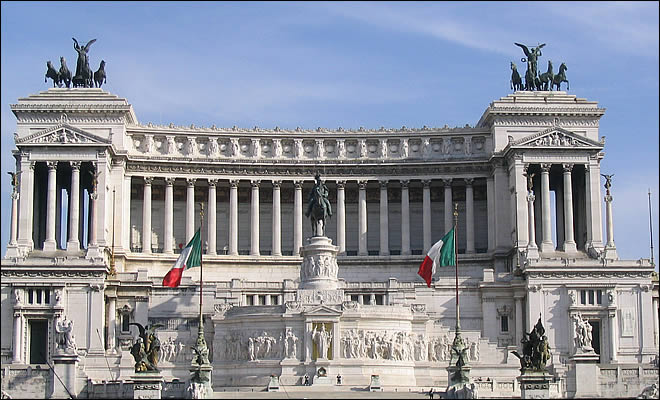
x,y
516,81
547,77
52,74
65,74
99,76
318,207
531,81
561,77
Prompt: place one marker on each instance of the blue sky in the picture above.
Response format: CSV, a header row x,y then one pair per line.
x,y
352,64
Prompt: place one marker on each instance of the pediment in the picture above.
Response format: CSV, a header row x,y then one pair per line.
x,y
63,134
322,310
555,137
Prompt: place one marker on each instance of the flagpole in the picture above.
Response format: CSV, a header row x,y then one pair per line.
x,y
651,228
201,266
458,321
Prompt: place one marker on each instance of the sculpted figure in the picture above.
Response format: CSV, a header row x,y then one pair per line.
x,y
65,74
83,72
322,339
65,338
532,60
318,207
608,182
146,350
404,149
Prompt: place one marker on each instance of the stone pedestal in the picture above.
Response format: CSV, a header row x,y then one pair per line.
x,y
65,367
535,385
374,385
200,383
274,384
319,267
585,372
147,385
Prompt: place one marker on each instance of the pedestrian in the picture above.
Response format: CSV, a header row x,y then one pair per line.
x,y
431,394
306,380
338,379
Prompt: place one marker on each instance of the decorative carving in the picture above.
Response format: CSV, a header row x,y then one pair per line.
x,y
583,335
418,308
404,148
66,341
221,308
322,339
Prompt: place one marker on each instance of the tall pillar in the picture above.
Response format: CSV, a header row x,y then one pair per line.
x,y
277,220
569,239
469,215
190,208
25,203
50,244
17,353
546,244
127,213
341,217
449,207
254,218
233,217
405,218
168,242
297,217
532,248
362,218
610,248
613,335
14,219
519,319
112,323
146,216
426,214
656,323
384,220
212,217
93,197
490,205
74,212
594,216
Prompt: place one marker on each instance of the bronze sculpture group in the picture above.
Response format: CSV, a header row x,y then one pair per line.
x,y
146,349
84,76
536,351
318,207
533,80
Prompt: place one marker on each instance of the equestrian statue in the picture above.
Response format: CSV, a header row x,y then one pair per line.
x,y
318,207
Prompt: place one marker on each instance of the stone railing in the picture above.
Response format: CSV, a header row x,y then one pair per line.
x,y
321,145
626,380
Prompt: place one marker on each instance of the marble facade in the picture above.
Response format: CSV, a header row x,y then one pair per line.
x,y
104,204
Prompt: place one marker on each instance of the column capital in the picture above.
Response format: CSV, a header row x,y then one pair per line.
x,y
567,168
531,197
213,182
233,183
447,181
191,181
51,164
404,183
75,165
148,180
255,183
545,168
298,184
383,183
341,184
362,184
169,181
469,181
277,184
426,183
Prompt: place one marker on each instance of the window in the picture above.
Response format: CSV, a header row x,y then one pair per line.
x,y
125,320
249,300
273,299
380,299
38,341
591,297
504,323
39,296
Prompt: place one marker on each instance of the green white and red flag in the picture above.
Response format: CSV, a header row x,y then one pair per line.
x,y
443,253
191,256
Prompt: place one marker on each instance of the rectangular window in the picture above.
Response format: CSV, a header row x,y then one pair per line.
x,y
249,300
504,323
591,297
125,320
262,300
354,297
47,296
599,297
30,296
380,299
273,299
583,297
38,340
366,299
38,296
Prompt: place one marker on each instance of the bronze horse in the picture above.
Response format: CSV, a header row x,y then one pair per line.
x,y
561,77
65,74
516,81
52,74
99,76
547,77
318,213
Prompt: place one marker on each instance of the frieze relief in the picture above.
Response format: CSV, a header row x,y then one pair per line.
x,y
319,266
309,296
257,345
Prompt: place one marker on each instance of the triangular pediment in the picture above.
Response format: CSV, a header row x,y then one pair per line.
x,y
63,134
322,310
555,137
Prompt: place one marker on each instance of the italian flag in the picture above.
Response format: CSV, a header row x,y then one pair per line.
x,y
191,256
443,252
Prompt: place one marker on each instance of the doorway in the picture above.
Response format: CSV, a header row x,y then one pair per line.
x,y
38,341
595,341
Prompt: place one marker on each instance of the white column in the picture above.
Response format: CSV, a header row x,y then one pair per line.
x,y
469,215
610,248
277,220
426,214
93,197
17,353
613,335
297,217
384,220
490,205
546,244
341,217
14,217
254,218
74,212
592,196
405,218
519,320
25,201
50,244
532,248
190,208
146,216
212,217
569,239
233,217
449,207
169,216
127,213
656,328
112,323
362,218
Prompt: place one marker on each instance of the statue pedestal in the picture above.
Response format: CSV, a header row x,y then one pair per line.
x,y
274,384
535,385
585,372
200,383
374,385
319,267
65,366
459,383
147,385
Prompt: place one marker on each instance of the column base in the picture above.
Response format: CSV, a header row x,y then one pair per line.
x,y
535,385
72,246
547,247
570,247
50,245
147,385
13,251
532,253
609,253
94,251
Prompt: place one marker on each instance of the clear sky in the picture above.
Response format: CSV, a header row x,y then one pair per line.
x,y
353,64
